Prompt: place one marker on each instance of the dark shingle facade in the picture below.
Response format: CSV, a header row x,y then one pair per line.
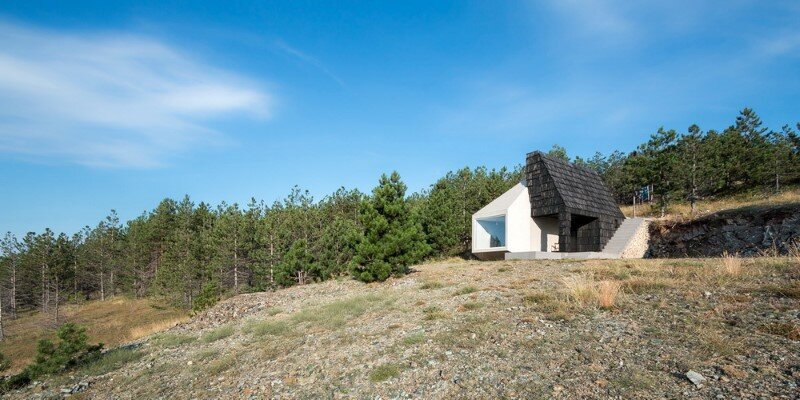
x,y
586,211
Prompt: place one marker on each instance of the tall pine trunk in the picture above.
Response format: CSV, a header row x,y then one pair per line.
x,y
75,281
14,291
271,261
2,334
235,266
45,290
55,314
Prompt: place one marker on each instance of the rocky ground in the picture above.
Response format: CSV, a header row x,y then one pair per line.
x,y
467,329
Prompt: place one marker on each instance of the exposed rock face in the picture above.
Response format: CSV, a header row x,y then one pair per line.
x,y
746,231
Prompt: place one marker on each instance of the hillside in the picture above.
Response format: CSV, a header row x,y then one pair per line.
x,y
681,211
112,322
457,329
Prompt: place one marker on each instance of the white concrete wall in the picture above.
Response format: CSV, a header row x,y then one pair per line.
x,y
518,224
547,227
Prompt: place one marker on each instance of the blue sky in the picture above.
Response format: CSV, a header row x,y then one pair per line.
x,y
119,104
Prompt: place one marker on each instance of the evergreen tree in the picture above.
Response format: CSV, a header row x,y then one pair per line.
x,y
757,155
660,158
689,149
558,152
392,239
297,266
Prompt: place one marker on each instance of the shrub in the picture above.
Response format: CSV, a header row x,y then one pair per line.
x,y
72,348
5,363
208,296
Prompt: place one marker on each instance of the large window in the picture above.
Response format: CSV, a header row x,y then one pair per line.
x,y
492,232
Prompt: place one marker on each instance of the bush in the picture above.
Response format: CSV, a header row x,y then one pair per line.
x,y
208,296
5,363
71,350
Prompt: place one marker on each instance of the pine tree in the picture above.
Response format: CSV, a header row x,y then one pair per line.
x,y
297,266
689,148
558,152
756,154
392,240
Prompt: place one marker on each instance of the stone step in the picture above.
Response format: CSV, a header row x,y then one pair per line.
x,y
623,235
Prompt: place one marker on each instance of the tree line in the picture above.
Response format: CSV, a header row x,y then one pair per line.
x,y
193,254
686,167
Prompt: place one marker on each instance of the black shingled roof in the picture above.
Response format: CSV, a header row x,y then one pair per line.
x,y
581,189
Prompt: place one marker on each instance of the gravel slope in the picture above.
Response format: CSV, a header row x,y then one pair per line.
x,y
467,329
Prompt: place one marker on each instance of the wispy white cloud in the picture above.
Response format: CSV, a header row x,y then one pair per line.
x,y
304,57
781,44
613,23
112,99
595,16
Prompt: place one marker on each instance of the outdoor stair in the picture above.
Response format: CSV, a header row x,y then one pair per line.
x,y
624,234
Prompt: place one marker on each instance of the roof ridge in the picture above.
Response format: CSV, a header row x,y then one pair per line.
x,y
562,161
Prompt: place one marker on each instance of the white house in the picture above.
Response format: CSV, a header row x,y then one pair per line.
x,y
562,210
505,225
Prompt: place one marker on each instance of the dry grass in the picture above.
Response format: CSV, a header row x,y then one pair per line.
x,y
607,293
583,290
646,285
553,308
580,288
705,207
731,264
794,252
431,285
384,372
787,330
158,326
713,342
111,322
465,290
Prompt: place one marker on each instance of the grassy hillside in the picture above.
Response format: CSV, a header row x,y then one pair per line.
x,y
704,207
111,322
455,329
